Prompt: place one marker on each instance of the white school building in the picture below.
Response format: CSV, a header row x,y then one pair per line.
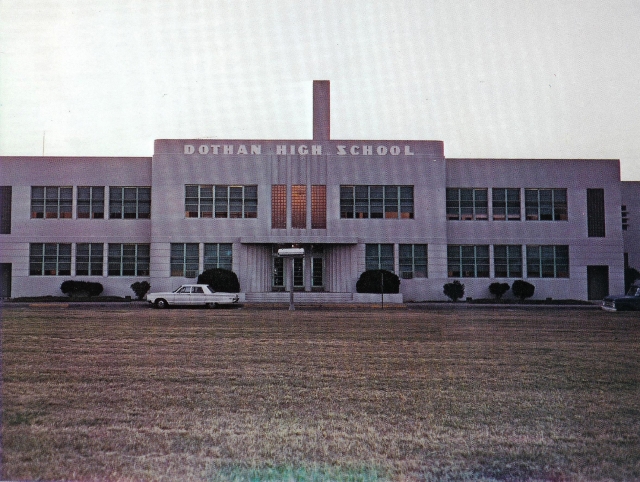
x,y
568,226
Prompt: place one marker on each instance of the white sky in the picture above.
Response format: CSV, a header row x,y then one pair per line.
x,y
490,78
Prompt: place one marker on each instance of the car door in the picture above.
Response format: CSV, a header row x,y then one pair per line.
x,y
197,295
183,296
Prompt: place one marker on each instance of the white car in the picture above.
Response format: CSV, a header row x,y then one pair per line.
x,y
192,295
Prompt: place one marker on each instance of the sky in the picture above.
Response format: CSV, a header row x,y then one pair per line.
x,y
489,78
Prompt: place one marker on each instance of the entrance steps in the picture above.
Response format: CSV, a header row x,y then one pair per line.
x,y
299,297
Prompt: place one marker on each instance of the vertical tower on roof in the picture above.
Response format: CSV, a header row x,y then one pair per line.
x,y
321,110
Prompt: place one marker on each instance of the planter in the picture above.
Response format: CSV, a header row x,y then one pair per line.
x,y
395,298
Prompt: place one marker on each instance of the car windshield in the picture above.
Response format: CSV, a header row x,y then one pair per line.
x,y
634,291
211,289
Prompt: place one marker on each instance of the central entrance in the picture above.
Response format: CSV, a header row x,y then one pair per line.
x,y
308,272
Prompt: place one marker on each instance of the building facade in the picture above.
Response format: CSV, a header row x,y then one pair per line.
x,y
566,226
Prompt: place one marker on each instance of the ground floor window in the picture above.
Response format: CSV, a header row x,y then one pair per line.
x,y
128,259
185,259
468,261
218,255
379,256
547,261
50,259
89,259
507,261
413,260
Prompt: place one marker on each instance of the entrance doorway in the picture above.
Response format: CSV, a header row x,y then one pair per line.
x,y
5,280
597,282
308,272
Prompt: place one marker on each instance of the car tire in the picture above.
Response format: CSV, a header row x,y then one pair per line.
x,y
161,304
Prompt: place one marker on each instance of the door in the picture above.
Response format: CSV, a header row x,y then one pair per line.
x,y
5,280
597,282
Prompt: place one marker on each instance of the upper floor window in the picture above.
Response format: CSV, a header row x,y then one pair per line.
x,y
467,204
50,259
279,206
545,204
207,201
506,204
595,213
376,202
5,209
129,202
299,206
547,261
467,261
413,260
90,202
51,202
625,217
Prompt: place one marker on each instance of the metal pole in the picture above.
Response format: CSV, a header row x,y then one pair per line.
x,y
382,288
291,305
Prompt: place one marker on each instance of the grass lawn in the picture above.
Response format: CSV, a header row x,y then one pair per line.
x,y
265,394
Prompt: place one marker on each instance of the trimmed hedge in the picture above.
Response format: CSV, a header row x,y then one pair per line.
x,y
522,289
140,288
81,289
370,281
220,280
498,289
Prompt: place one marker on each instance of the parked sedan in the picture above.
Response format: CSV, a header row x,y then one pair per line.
x,y
192,295
630,301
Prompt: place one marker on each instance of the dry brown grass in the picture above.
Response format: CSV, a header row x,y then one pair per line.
x,y
313,395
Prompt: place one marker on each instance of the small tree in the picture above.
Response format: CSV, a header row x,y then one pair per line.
x,y
454,290
81,289
522,289
498,289
140,288
370,281
220,280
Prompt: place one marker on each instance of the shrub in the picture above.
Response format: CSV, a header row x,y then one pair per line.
x,y
454,290
522,289
140,288
81,289
498,289
220,280
371,280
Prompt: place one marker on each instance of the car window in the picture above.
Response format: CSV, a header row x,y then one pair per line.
x,y
184,289
211,289
197,289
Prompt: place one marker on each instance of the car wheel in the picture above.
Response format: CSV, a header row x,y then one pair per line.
x,y
161,303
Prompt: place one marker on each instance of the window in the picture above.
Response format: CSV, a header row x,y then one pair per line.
x,y
278,273
547,261
129,202
49,259
128,259
89,258
5,209
379,256
198,201
507,261
413,260
506,204
595,213
205,201
279,277
185,259
299,206
545,204
51,202
376,202
218,255
279,206
625,218
467,261
467,204
318,207
90,202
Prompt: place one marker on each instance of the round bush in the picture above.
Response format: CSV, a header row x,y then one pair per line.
x,y
220,280
370,281
522,289
453,290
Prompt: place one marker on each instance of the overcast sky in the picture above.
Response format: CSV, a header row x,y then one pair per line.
x,y
490,78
